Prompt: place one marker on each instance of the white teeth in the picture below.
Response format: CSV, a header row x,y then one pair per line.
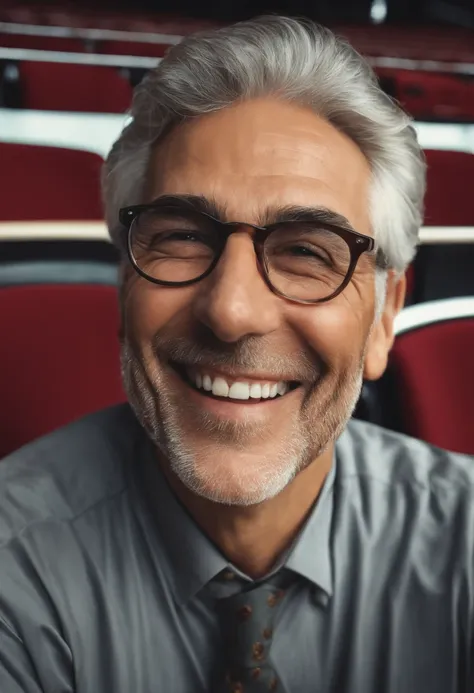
x,y
256,391
239,391
220,387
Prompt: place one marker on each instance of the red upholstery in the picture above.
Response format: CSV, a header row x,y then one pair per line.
x,y
144,48
49,183
450,176
70,87
60,356
431,95
42,43
434,374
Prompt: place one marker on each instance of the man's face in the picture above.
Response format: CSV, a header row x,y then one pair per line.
x,y
251,161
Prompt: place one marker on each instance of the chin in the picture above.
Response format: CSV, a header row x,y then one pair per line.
x,y
232,477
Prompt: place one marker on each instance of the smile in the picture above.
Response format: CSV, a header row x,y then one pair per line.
x,y
239,388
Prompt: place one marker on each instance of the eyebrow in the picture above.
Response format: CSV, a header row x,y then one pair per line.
x,y
204,205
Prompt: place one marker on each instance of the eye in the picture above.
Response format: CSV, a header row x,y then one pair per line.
x,y
184,236
305,250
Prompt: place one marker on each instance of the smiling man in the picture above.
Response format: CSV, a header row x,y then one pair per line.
x,y
233,530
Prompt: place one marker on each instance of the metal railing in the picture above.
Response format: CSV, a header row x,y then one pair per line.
x,y
410,64
97,230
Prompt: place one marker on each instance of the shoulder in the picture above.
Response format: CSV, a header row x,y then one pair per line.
x,y
402,491
376,455
64,473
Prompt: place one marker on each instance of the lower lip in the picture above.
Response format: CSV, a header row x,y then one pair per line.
x,y
231,408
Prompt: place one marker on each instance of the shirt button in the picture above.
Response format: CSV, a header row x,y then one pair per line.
x,y
228,575
274,598
258,651
273,685
267,633
237,687
244,613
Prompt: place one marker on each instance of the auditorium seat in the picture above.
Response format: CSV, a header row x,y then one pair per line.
x,y
431,373
42,43
60,353
450,176
136,48
49,183
443,270
428,96
73,87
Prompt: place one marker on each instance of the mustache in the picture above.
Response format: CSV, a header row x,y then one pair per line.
x,y
248,354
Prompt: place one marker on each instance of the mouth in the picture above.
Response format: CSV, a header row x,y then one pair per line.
x,y
238,389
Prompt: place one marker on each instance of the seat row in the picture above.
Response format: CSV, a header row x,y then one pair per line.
x,y
62,183
63,340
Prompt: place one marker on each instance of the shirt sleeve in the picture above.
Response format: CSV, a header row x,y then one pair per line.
x,y
17,670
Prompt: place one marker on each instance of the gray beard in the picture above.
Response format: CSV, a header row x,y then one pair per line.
x,y
310,435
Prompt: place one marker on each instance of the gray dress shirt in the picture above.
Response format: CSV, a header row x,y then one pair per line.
x,y
107,585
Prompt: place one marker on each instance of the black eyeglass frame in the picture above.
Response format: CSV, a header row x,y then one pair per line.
x,y
357,243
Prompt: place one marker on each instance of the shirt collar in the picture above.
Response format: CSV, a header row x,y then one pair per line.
x,y
310,555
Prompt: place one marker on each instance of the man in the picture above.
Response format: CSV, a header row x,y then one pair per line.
x,y
266,196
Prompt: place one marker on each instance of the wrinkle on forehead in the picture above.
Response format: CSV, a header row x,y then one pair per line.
x,y
264,153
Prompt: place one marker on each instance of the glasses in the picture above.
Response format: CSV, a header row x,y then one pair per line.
x,y
304,259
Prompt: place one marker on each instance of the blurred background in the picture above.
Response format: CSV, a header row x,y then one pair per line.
x,y
67,70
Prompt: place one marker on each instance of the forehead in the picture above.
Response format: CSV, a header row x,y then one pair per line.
x,y
262,155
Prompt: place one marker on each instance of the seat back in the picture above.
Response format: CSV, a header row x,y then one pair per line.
x,y
432,368
74,87
60,356
50,183
450,175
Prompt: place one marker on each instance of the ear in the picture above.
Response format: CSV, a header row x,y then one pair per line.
x,y
381,337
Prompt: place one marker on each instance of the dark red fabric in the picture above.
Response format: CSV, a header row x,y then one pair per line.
x,y
60,358
70,87
427,95
42,43
434,375
146,49
49,183
450,176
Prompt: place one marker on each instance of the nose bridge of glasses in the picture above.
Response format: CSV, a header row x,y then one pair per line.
x,y
257,233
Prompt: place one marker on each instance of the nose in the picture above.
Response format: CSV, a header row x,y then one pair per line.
x,y
234,301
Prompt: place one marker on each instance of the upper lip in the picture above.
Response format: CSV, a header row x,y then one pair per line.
x,y
234,374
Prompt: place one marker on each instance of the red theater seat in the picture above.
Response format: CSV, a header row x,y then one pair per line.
x,y
139,48
60,353
450,177
49,183
432,369
71,87
42,43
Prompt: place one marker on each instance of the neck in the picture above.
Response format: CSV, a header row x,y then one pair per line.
x,y
253,538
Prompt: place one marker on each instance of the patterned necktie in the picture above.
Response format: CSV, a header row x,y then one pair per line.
x,y
247,621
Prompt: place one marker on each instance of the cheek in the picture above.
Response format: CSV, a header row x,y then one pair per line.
x,y
336,332
147,308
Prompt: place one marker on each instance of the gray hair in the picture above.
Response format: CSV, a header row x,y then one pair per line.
x,y
293,60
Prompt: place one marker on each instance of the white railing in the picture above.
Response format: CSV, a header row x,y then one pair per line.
x,y
460,68
87,34
97,59
98,131
424,314
97,231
